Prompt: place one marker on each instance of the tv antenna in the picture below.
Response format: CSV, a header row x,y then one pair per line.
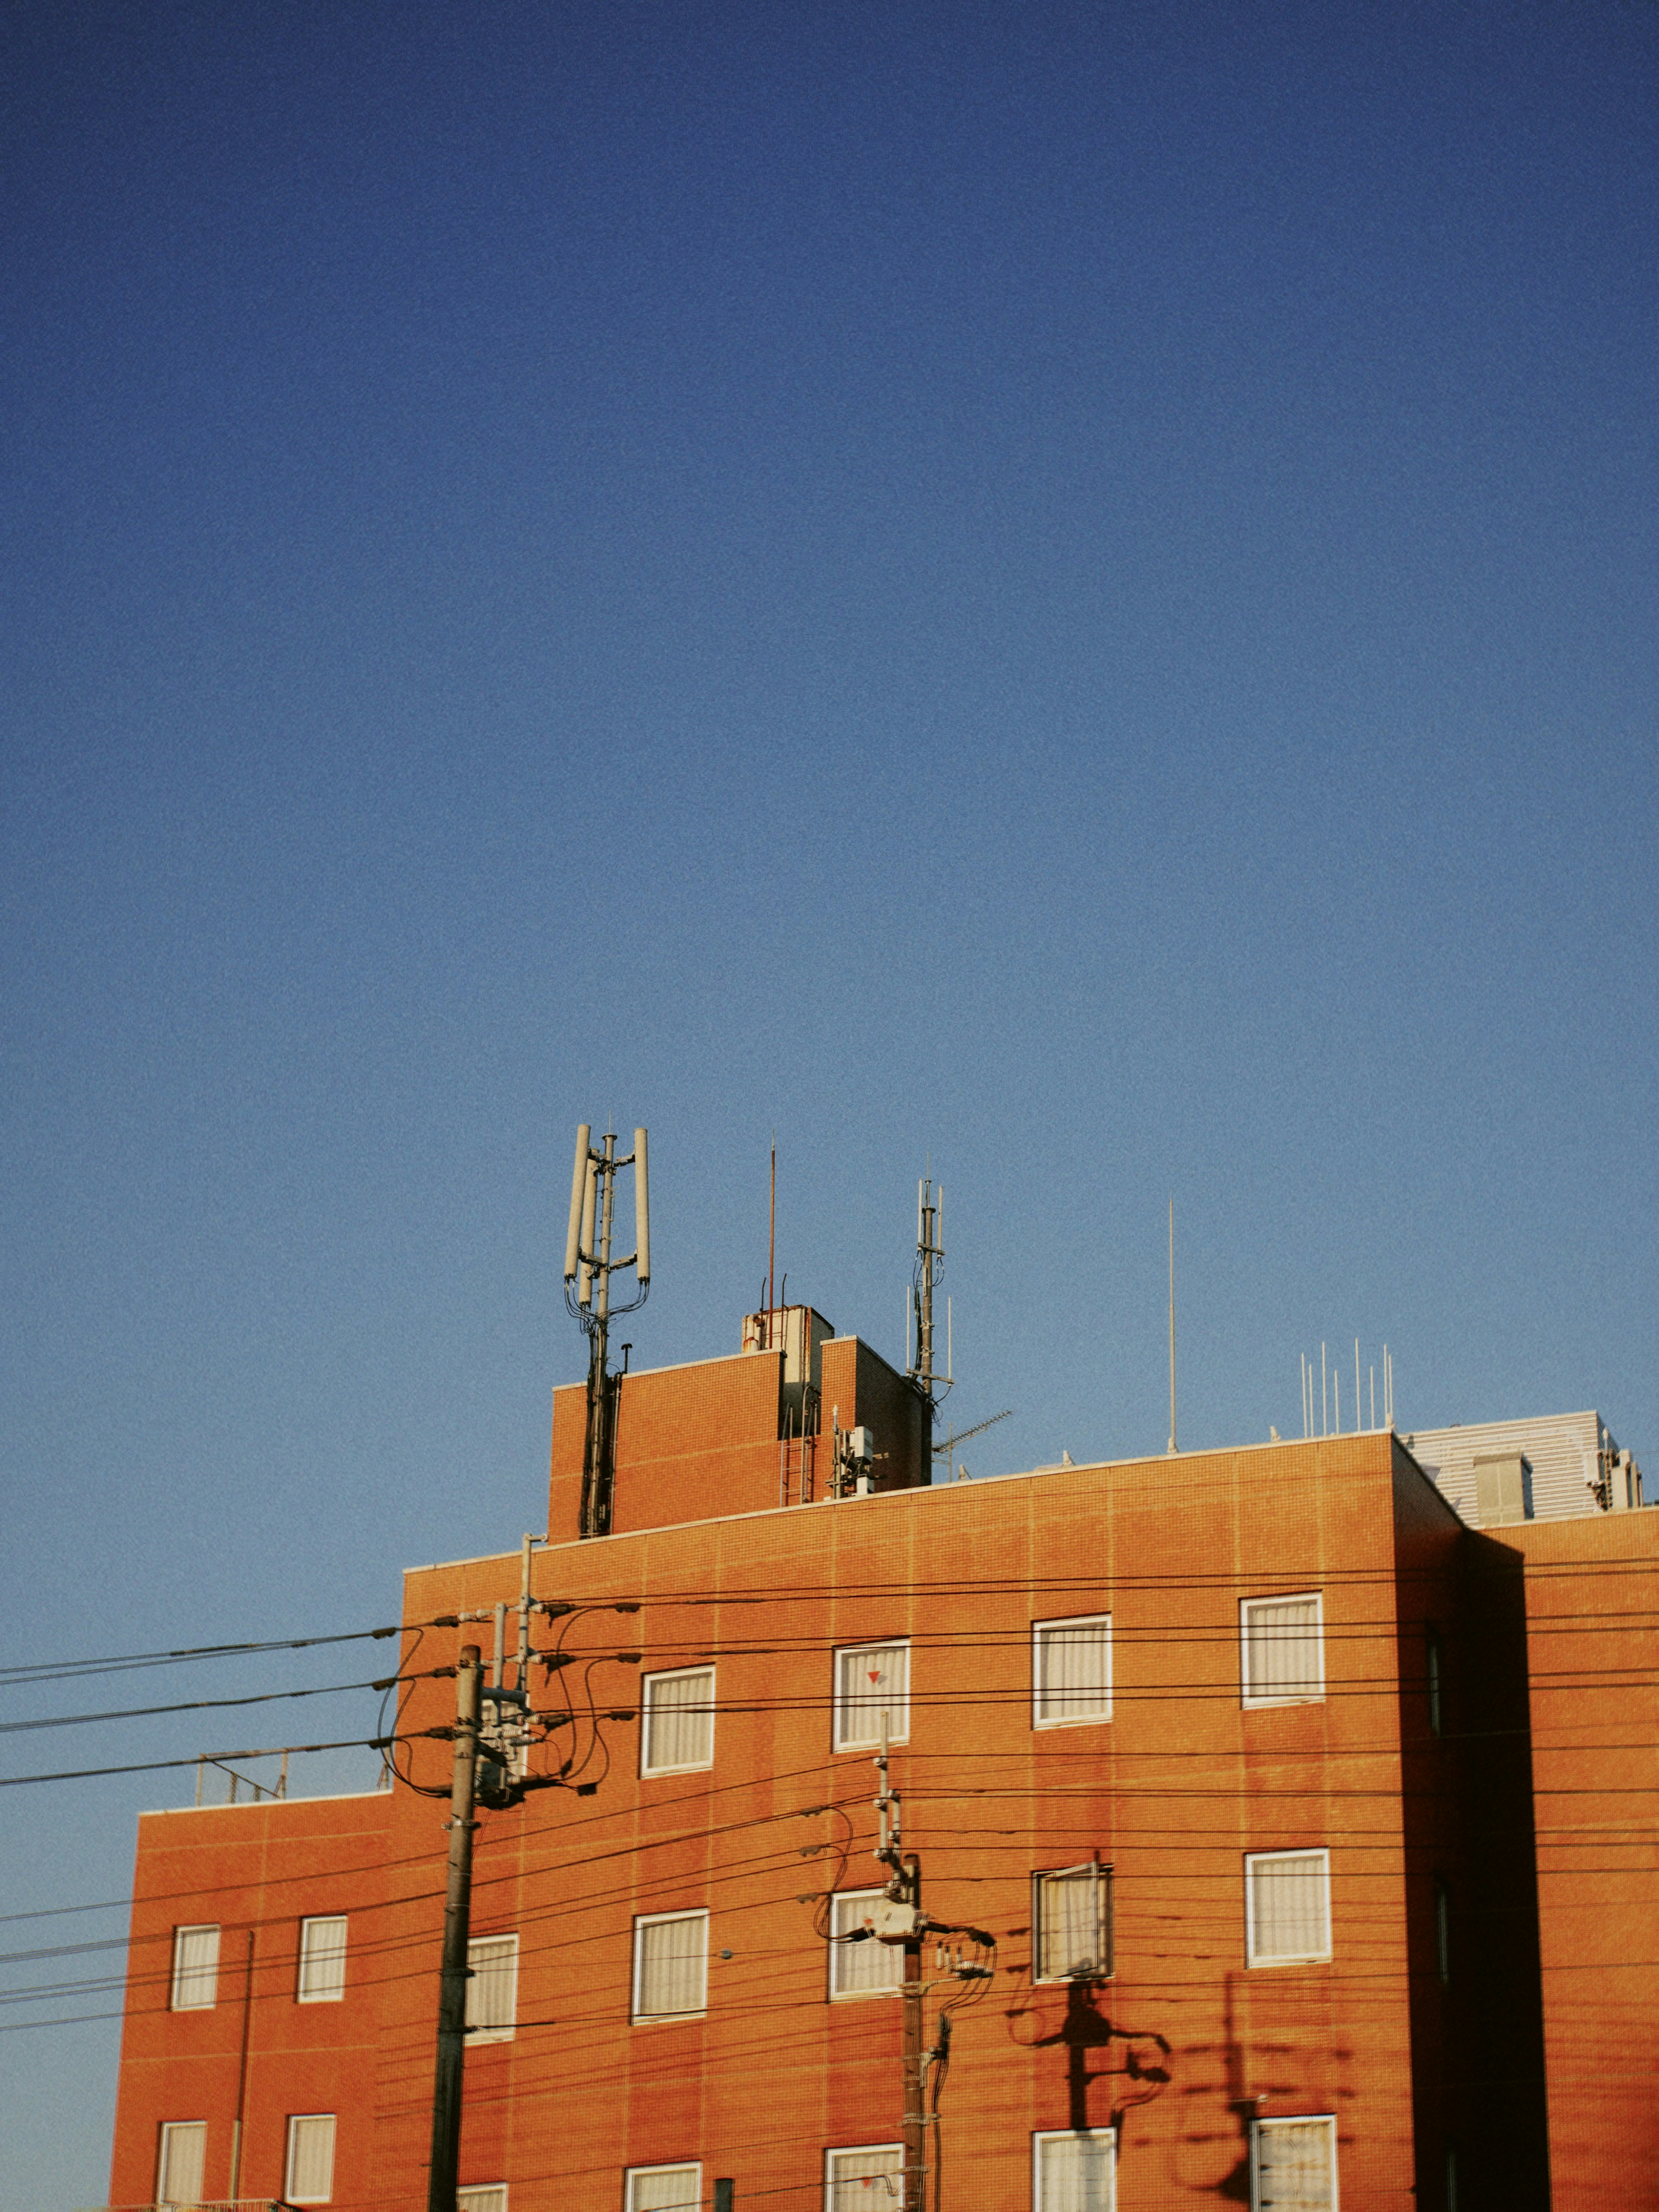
x,y
588,1267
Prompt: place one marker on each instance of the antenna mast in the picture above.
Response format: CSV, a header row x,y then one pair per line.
x,y
1172,1388
930,1387
588,1267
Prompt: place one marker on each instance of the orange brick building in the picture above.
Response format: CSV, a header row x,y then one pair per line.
x,y
1310,1825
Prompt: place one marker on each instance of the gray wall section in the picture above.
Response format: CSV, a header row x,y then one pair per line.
x,y
1561,1450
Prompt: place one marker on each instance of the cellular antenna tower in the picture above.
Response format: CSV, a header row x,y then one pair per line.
x,y
588,1267
929,1384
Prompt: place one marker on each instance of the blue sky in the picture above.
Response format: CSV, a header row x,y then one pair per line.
x,y
1067,592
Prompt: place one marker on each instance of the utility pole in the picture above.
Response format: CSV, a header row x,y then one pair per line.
x,y
915,2119
457,1909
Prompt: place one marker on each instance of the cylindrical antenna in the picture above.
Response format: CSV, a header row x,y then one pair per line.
x,y
772,1248
950,1357
642,1212
578,1185
1324,1393
590,1197
922,1203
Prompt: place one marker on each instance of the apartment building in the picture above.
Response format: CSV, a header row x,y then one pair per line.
x,y
1290,1841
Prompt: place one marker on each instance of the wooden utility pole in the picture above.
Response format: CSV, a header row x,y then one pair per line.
x,y
458,1912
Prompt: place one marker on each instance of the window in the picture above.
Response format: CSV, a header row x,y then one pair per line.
x,y
322,1961
680,1722
492,2199
671,1965
1287,1907
872,1681
1442,1932
179,2169
665,2188
195,1968
492,1994
310,2158
1073,2171
868,2179
1071,1923
1431,1676
1293,2166
1072,1671
1284,1654
859,1966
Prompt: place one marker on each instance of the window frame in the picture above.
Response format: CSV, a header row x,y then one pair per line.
x,y
294,2121
838,1946
1103,1871
844,1706
1256,1701
163,2148
834,2151
180,1971
1254,1859
633,2173
641,1921
499,2031
1039,2136
682,1766
302,1994
1039,1628
1434,1668
1259,2127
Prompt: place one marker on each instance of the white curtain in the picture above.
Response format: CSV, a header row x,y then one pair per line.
x,y
1295,2166
872,1679
1071,1922
1282,1655
665,2189
492,1995
195,1968
867,2180
482,2200
184,2153
1290,1907
311,2159
679,1720
1074,1671
857,1968
1074,2173
322,1959
674,1971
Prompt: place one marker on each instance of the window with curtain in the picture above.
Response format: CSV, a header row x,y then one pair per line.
x,y
195,1969
1074,2170
1293,2166
860,1968
322,1959
1287,1906
1284,1649
492,1994
679,1720
310,2158
491,2199
1071,1922
868,2179
1072,1671
665,2188
872,1680
183,2156
671,1965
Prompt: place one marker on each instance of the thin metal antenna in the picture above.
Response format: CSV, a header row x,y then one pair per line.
x,y
772,1246
1373,1394
1172,1357
1324,1393
1358,1401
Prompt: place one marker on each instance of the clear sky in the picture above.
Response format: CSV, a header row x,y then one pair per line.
x,y
1065,591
